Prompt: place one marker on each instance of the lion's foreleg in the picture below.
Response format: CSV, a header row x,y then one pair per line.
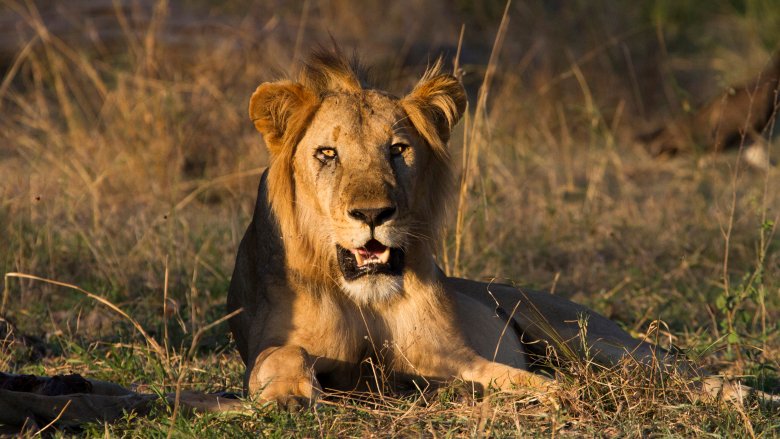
x,y
284,374
502,377
491,375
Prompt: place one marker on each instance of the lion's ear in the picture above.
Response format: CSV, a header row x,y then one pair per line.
x,y
279,111
435,106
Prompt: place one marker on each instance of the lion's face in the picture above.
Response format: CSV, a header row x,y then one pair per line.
x,y
358,178
356,170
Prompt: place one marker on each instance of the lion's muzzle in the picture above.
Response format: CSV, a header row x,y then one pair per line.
x,y
373,217
373,258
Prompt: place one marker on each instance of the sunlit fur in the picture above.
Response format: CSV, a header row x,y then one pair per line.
x,y
302,321
302,317
282,111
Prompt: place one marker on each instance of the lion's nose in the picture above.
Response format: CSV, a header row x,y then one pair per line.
x,y
373,216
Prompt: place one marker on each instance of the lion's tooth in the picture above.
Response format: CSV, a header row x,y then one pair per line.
x,y
360,259
385,255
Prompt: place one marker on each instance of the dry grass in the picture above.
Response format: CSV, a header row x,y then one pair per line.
x,y
129,169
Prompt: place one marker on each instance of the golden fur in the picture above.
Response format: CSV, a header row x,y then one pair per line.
x,y
356,172
301,320
291,105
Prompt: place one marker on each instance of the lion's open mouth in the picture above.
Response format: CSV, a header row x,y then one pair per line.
x,y
372,258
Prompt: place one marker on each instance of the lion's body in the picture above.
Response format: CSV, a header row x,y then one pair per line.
x,y
336,268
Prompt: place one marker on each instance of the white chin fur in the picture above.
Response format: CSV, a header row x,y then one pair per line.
x,y
373,288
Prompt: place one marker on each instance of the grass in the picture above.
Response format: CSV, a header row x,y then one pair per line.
x,y
131,171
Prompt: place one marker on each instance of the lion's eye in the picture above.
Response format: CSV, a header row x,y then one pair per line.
x,y
326,154
397,149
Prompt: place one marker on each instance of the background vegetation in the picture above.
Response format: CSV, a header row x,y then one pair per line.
x,y
128,168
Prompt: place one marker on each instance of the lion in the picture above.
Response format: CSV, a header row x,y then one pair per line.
x,y
337,271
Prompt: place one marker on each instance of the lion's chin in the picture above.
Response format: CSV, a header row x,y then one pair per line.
x,y
373,289
371,273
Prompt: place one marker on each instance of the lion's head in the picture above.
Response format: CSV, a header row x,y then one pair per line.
x,y
359,178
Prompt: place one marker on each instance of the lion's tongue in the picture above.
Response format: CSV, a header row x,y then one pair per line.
x,y
373,252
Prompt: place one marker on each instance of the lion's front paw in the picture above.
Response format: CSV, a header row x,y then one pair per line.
x,y
537,387
516,381
292,393
530,380
284,375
